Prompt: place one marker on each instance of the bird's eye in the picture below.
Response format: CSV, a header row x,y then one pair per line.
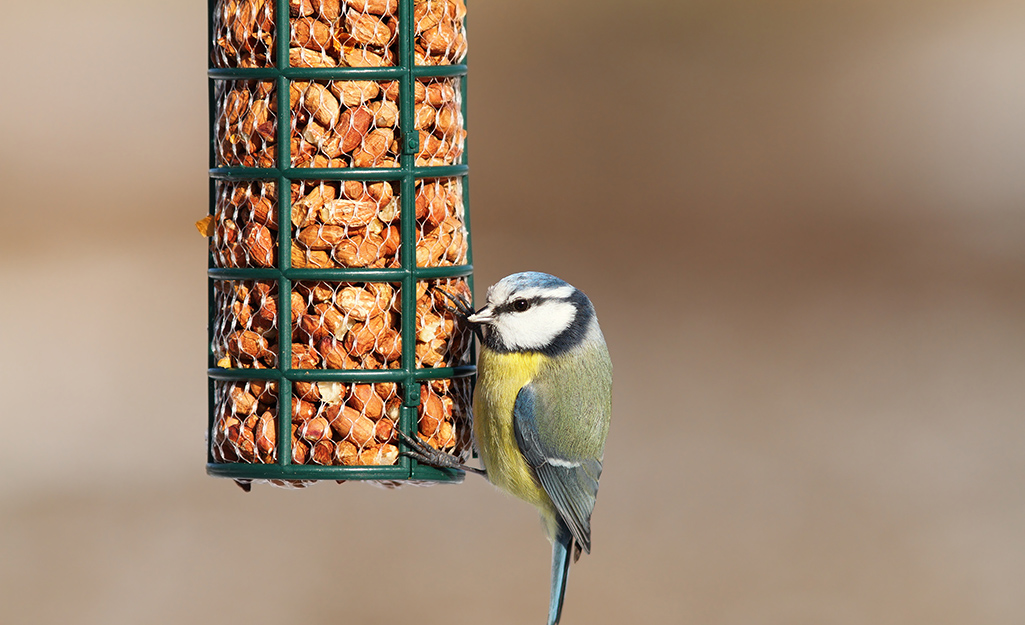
x,y
520,305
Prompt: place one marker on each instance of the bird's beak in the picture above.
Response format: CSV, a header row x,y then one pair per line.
x,y
481,316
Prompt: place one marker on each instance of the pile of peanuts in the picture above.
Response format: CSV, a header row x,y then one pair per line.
x,y
335,423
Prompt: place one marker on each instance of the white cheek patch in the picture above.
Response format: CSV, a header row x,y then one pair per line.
x,y
535,328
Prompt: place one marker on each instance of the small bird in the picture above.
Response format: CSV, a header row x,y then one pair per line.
x,y
542,405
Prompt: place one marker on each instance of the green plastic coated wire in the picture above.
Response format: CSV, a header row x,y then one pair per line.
x,y
408,376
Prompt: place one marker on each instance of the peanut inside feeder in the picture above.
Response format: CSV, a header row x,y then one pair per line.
x,y
338,233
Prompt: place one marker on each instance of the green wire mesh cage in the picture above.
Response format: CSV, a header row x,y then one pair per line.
x,y
338,184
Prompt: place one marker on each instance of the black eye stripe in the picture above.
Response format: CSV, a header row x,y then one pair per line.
x,y
530,303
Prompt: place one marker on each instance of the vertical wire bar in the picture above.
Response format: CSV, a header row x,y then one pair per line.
x,y
464,90
212,197
282,37
407,225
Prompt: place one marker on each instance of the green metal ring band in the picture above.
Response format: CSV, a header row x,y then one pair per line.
x,y
289,471
340,275
357,376
344,173
336,73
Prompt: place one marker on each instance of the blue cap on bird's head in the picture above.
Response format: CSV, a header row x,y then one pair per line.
x,y
526,279
534,311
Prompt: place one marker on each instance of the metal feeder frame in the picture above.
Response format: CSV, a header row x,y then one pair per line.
x,y
408,377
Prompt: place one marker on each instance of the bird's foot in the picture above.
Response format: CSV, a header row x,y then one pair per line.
x,y
462,305
425,454
461,308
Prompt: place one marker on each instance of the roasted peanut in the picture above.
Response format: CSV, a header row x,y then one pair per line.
x,y
348,424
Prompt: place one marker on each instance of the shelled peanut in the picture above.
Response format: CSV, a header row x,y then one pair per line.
x,y
337,33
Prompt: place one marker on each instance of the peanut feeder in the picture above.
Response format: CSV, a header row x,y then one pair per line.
x,y
339,229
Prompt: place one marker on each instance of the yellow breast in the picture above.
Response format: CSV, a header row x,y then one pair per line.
x,y
500,377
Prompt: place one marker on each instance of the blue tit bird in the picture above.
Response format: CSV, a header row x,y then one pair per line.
x,y
542,406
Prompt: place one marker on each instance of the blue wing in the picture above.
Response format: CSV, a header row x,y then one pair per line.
x,y
570,479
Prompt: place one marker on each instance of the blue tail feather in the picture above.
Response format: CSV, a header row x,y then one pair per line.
x,y
562,555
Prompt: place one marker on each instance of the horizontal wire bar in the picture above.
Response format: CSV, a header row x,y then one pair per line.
x,y
345,173
432,474
356,274
332,173
234,273
308,375
228,375
345,375
443,171
438,71
347,275
242,73
367,376
438,273
437,373
335,73
241,470
307,73
308,173
243,173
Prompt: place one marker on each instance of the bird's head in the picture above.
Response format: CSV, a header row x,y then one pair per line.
x,y
534,312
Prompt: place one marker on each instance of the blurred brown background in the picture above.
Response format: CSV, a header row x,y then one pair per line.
x,y
802,224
